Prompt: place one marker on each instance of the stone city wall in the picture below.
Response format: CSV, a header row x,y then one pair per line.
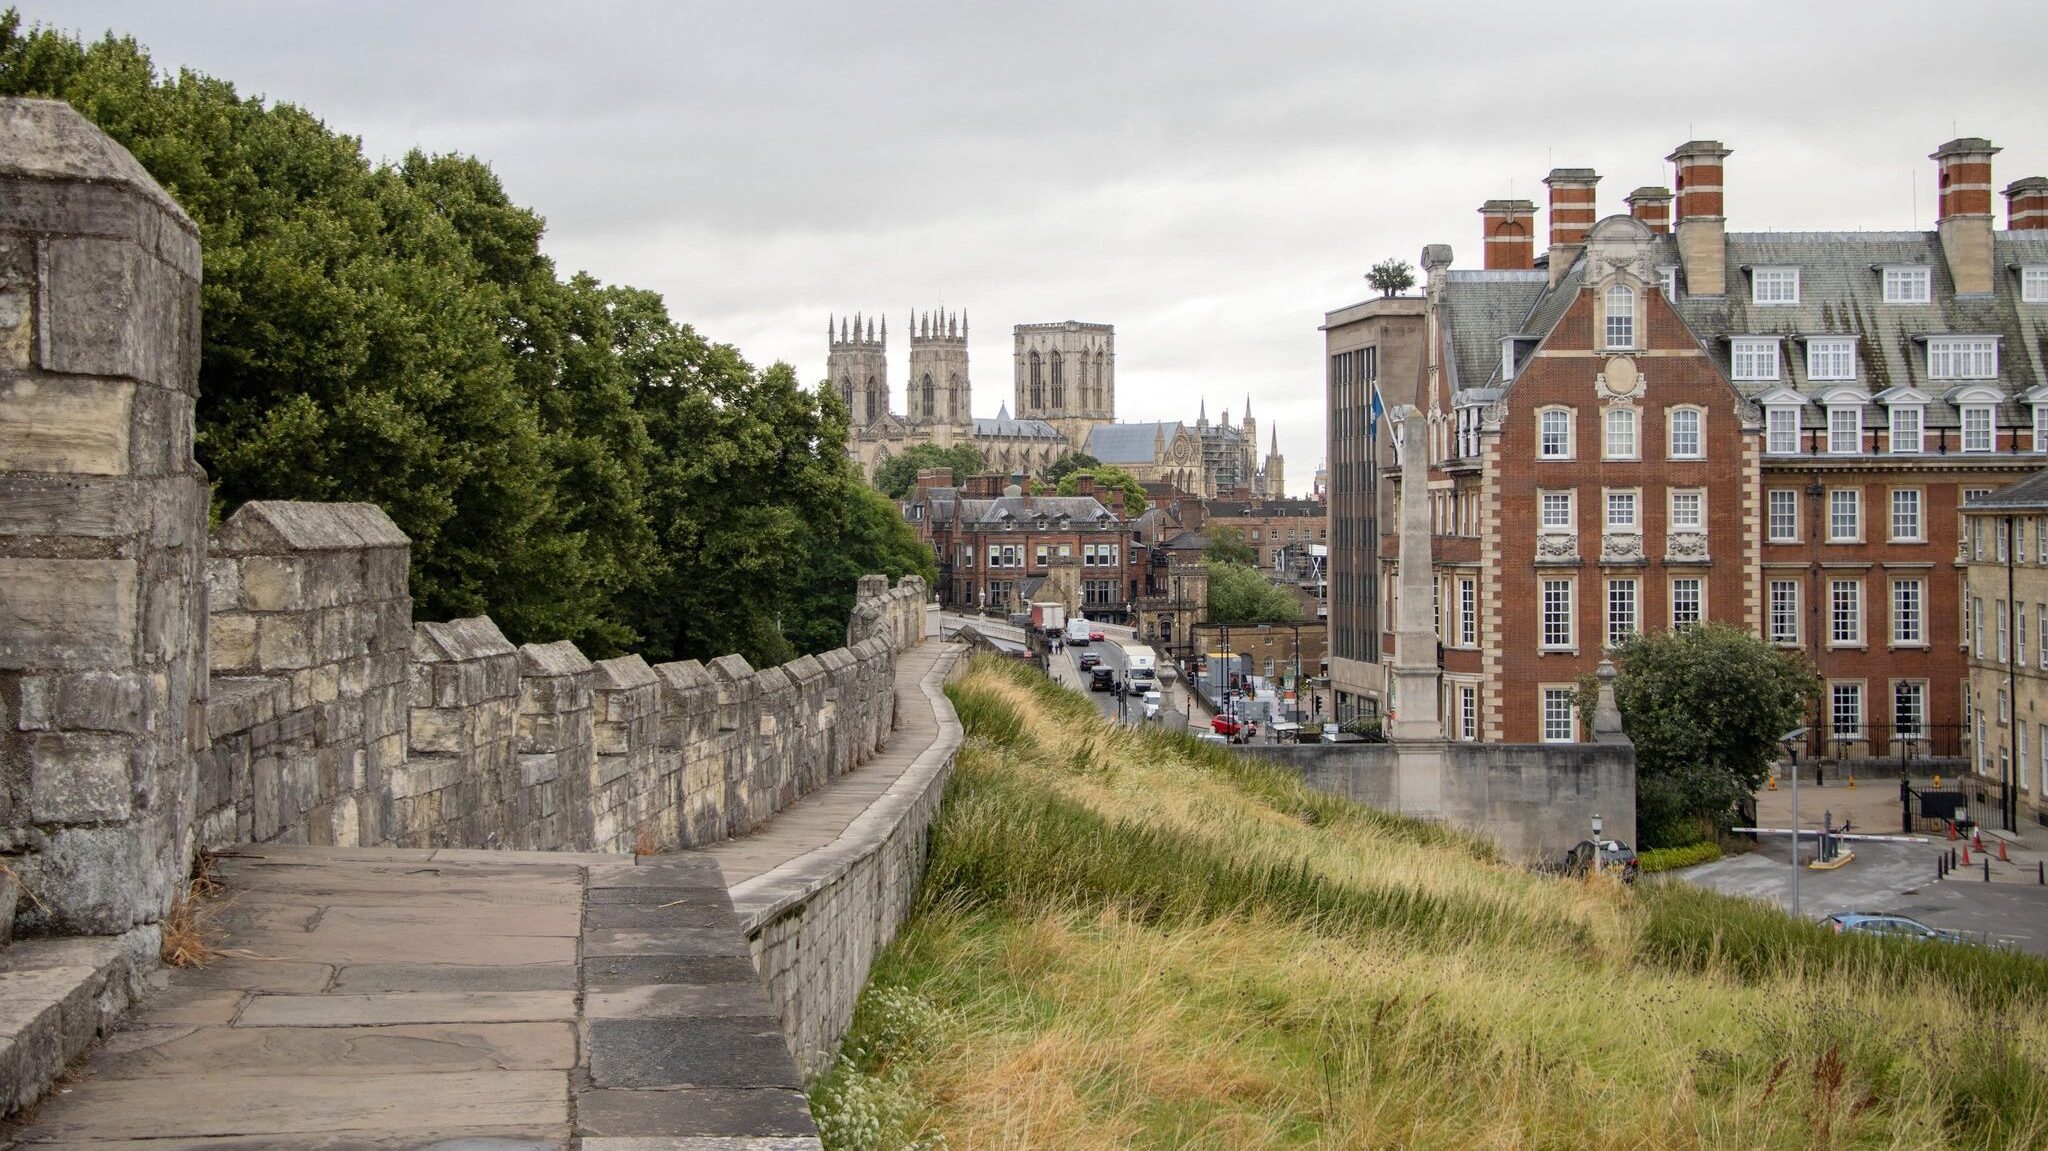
x,y
336,720
816,924
1534,800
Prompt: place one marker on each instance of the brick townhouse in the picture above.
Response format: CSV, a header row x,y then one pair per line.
x,y
1658,421
998,549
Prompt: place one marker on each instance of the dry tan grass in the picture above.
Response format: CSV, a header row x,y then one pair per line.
x,y
192,931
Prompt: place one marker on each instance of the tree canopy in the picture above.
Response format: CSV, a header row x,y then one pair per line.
x,y
1111,477
1706,707
898,474
565,456
1239,596
1391,277
1227,546
1071,462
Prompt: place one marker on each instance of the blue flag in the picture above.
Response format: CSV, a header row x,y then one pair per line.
x,y
1378,413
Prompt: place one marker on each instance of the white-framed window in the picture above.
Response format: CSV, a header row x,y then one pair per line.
x,y
1908,429
1558,633
1908,286
1832,358
1785,612
1909,613
2040,428
1621,511
1687,437
1621,434
1774,286
1622,616
1560,715
1999,628
1909,708
1621,317
1962,358
1556,511
1468,712
2034,284
1980,433
1845,612
1468,611
1977,625
1667,281
1783,506
1754,358
1554,433
1688,602
1845,428
1845,711
1041,554
1845,515
2019,636
1781,422
1688,509
1908,524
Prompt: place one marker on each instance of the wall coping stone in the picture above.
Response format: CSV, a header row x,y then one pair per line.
x,y
624,673
558,658
459,639
272,527
50,140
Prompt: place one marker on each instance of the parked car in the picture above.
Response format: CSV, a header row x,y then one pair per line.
x,y
1615,856
1888,926
1095,635
1101,679
1089,659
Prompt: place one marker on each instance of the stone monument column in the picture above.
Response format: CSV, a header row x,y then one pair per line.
x,y
102,526
1415,671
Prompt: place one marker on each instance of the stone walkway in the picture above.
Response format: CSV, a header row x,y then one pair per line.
x,y
387,999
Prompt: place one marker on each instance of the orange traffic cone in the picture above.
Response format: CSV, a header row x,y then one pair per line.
x,y
1977,839
1852,781
1966,855
1771,784
1951,830
2001,852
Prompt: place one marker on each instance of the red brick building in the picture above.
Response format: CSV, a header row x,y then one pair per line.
x,y
1655,423
999,550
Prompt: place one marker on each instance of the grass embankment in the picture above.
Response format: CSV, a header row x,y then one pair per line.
x,y
1132,939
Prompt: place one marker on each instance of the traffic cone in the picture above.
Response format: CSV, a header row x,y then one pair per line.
x,y
1852,781
2002,858
1771,784
1966,855
1977,839
1937,781
1951,829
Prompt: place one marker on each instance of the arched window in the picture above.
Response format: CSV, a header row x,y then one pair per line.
x,y
1037,385
931,398
952,397
1621,317
1059,383
846,394
874,401
1101,396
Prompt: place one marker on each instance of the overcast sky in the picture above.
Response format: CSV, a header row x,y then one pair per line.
x,y
1209,177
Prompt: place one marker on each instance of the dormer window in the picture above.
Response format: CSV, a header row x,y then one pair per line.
x,y
1507,360
1962,358
1667,282
1908,285
1621,318
1980,429
2034,284
1754,358
1774,286
1845,428
1781,430
1908,429
1832,358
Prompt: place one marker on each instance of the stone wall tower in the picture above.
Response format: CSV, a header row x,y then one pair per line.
x,y
937,394
1066,376
857,365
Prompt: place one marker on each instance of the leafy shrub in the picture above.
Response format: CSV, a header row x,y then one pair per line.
x,y
1670,858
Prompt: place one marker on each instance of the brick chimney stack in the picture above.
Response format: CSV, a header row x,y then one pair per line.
x,y
1652,206
2026,204
1702,224
1964,218
1509,230
1571,215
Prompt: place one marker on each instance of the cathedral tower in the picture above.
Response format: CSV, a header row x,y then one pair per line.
x,y
937,394
1066,376
858,367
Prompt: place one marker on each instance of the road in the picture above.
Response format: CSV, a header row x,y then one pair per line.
x,y
1897,878
1066,664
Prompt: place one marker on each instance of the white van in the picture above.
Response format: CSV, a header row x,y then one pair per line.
x,y
1077,630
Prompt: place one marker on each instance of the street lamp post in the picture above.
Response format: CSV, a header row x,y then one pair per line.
x,y
1598,827
1788,739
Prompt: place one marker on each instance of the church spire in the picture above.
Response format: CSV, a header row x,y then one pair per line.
x,y
1247,405
1276,439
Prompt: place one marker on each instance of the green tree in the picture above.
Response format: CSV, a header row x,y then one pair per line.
x,y
1239,596
1071,462
1227,546
1111,477
1705,707
868,535
898,474
1391,277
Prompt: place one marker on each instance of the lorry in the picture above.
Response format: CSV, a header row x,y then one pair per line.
x,y
1141,666
1077,630
1048,619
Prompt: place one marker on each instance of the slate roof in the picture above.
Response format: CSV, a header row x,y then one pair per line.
x,y
1024,509
1482,308
2028,495
1004,426
1196,540
1238,509
1130,443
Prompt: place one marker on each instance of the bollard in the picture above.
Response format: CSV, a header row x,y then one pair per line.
x,y
1940,867
2041,873
1987,869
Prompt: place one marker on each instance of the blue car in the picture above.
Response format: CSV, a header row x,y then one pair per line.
x,y
1888,927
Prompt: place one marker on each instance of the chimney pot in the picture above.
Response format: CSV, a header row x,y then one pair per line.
x,y
1964,215
1702,228
1508,230
2026,204
1651,205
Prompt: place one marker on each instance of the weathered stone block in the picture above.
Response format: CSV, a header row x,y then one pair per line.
x,y
437,729
77,426
231,644
273,583
67,613
111,309
283,642
78,777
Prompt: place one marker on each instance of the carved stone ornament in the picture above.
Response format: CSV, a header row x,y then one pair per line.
x,y
1494,415
1685,545
1557,546
1750,413
1620,381
1621,546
